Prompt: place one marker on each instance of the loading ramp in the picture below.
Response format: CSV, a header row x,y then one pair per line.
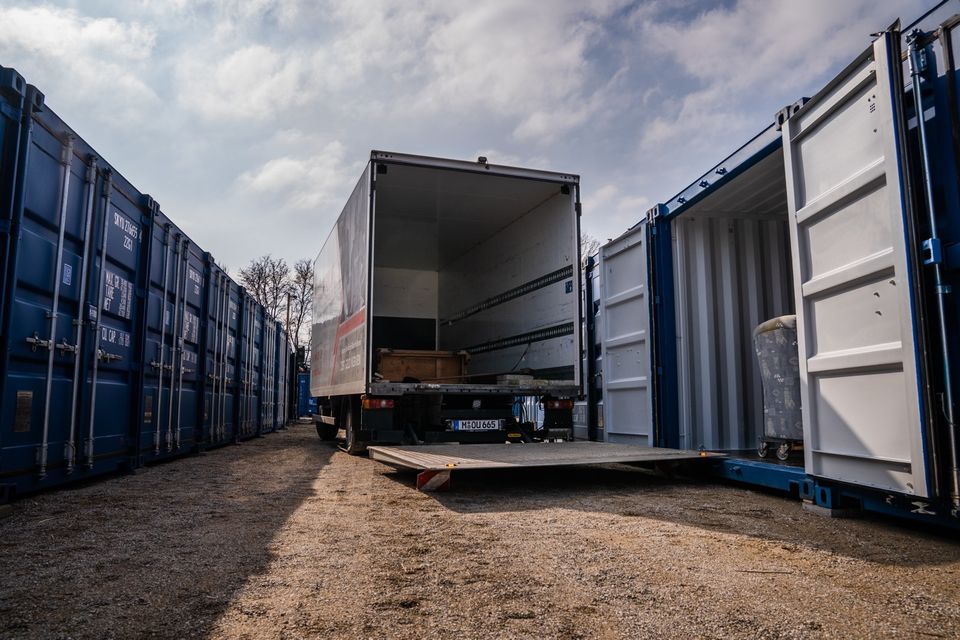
x,y
436,463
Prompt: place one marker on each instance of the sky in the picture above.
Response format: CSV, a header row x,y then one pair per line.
x,y
249,121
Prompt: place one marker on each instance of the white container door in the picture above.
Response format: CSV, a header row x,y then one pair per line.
x,y
858,364
625,316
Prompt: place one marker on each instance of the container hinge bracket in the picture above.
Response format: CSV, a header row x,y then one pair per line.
x,y
934,251
36,342
155,365
65,347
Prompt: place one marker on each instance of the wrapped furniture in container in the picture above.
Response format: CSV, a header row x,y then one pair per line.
x,y
775,342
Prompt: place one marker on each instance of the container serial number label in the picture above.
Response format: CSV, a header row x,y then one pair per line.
x,y
131,231
117,295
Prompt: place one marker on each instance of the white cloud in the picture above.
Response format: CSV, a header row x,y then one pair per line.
x,y
637,98
524,61
92,59
253,82
302,183
753,49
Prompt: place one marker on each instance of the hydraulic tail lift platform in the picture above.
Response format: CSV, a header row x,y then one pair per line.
x,y
436,462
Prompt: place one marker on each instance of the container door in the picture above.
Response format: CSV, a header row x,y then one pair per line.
x,y
848,224
625,321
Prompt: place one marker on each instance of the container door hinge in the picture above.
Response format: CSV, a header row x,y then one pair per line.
x,y
36,342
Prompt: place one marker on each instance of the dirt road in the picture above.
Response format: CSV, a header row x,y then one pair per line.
x,y
285,537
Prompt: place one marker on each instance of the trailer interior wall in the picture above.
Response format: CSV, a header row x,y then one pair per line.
x,y
451,250
731,272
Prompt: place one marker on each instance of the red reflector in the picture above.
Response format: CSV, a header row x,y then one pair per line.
x,y
377,403
554,405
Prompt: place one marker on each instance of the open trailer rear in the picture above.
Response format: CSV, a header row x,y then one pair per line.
x,y
446,292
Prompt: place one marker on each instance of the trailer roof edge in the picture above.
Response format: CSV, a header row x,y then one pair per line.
x,y
473,166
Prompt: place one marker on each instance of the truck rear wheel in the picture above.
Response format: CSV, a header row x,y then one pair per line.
x,y
350,414
327,432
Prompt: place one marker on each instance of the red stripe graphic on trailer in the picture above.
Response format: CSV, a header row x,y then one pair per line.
x,y
351,323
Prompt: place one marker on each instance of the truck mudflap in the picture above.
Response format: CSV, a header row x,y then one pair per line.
x,y
435,464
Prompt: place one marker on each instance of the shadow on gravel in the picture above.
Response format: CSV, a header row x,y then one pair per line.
x,y
157,554
629,492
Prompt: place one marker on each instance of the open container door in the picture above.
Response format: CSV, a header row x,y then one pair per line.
x,y
627,408
849,230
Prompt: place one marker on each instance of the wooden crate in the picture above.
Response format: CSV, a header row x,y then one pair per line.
x,y
425,366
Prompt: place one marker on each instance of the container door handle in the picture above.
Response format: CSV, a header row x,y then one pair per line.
x,y
36,342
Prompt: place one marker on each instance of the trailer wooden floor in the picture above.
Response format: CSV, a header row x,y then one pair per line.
x,y
435,463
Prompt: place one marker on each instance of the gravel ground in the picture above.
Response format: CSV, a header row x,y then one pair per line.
x,y
286,537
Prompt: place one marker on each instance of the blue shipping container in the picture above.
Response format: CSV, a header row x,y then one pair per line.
x,y
120,336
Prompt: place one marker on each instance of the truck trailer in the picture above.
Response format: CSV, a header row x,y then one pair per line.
x,y
446,293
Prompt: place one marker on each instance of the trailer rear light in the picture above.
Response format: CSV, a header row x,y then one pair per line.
x,y
377,403
558,405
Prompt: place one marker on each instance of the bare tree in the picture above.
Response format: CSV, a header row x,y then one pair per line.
x,y
301,299
588,246
268,281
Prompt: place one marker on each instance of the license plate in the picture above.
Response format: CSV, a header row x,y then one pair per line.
x,y
477,425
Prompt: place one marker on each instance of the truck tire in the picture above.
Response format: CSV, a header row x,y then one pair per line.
x,y
350,414
326,432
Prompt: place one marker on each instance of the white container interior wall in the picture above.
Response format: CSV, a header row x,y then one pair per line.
x,y
731,272
445,241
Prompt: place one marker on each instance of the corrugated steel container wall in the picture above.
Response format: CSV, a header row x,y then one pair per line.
x,y
280,374
303,395
257,366
268,416
111,318
246,371
171,419
730,275
276,357
75,271
13,93
218,398
189,408
288,375
233,388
